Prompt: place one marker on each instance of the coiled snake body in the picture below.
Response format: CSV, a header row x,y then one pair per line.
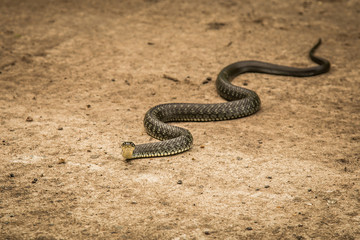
x,y
242,102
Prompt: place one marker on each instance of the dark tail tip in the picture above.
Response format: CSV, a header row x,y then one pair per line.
x,y
324,64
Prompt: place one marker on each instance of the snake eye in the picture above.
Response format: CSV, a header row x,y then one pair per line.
x,y
128,144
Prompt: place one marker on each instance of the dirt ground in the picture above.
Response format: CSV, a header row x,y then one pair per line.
x,y
76,78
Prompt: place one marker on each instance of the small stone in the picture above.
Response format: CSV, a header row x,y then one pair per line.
x,y
266,186
205,82
239,158
35,180
61,161
249,228
207,232
113,80
88,106
269,177
11,175
179,182
309,190
60,128
29,119
202,146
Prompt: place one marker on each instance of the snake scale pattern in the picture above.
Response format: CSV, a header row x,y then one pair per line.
x,y
242,102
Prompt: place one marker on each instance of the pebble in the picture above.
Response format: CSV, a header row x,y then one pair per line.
x,y
208,79
179,182
29,119
61,161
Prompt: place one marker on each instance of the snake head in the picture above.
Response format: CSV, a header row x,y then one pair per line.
x,y
127,149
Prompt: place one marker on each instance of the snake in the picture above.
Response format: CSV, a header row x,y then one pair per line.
x,y
241,102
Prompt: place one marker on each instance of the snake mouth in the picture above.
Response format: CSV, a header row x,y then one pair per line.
x,y
127,149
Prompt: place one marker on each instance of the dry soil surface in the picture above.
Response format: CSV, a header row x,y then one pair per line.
x,y
76,78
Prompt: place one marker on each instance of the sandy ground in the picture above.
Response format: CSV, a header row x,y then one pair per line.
x,y
77,78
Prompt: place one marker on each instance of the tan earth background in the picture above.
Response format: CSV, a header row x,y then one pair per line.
x,y
77,77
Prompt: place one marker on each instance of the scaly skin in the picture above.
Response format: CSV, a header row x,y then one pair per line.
x,y
243,102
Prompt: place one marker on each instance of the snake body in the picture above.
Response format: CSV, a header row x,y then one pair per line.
x,y
242,102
